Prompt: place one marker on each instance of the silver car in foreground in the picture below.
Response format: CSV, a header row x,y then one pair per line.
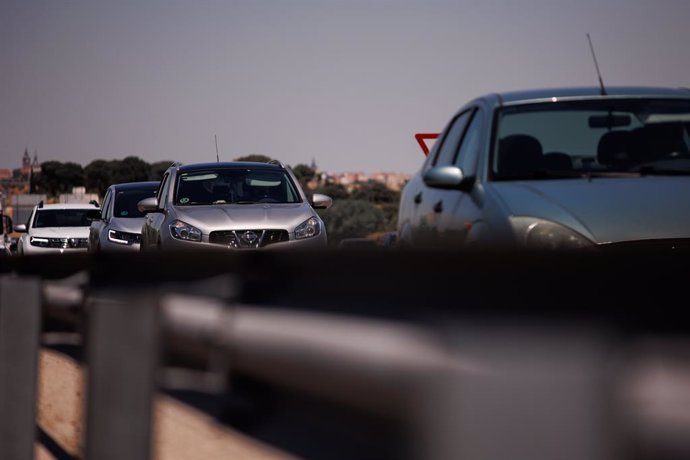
x,y
557,169
55,228
235,205
117,226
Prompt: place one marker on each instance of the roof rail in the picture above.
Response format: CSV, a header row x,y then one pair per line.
x,y
276,162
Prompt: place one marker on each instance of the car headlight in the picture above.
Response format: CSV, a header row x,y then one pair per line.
x,y
307,229
123,237
183,231
533,233
40,242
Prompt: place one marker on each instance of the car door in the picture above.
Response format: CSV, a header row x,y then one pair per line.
x,y
150,232
97,227
431,203
461,210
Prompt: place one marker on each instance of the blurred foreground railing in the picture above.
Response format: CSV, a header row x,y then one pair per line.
x,y
411,355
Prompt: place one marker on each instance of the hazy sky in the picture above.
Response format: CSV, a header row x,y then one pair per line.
x,y
345,82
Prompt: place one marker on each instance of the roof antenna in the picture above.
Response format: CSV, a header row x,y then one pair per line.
x,y
601,82
217,157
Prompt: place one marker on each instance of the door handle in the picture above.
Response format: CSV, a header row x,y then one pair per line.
x,y
418,198
438,207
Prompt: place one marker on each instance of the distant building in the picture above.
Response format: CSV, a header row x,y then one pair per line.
x,y
29,165
78,195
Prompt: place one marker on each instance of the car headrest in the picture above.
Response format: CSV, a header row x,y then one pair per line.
x,y
519,154
614,148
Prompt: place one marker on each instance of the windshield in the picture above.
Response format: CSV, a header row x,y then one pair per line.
x,y
126,202
61,218
611,136
235,186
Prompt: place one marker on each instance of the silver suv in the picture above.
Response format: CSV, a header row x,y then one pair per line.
x,y
234,205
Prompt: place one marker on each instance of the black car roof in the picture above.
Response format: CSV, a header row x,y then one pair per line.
x,y
136,185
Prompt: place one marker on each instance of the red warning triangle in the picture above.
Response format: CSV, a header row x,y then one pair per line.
x,y
422,138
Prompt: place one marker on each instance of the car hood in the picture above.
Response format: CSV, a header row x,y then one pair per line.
x,y
606,209
61,232
127,224
245,216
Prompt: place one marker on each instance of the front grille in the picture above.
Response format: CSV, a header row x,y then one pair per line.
x,y
61,243
248,238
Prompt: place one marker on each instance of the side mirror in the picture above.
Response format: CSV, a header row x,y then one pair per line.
x,y
448,178
149,205
319,201
93,214
21,228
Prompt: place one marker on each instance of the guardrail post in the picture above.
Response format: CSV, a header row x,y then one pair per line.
x,y
122,360
20,324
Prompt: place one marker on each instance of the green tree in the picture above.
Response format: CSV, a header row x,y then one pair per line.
x,y
97,176
57,177
158,169
335,191
375,192
351,219
129,169
304,174
254,157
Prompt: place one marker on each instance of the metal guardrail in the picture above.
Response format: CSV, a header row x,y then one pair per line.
x,y
411,355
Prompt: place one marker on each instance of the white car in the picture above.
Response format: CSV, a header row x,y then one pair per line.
x,y
56,228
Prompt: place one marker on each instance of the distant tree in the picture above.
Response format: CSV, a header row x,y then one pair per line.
x,y
158,169
375,192
335,191
390,215
254,157
304,174
97,176
351,219
129,169
57,177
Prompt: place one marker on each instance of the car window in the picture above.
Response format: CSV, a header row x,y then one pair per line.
x,y
469,149
235,185
125,204
106,205
61,218
449,144
566,139
163,192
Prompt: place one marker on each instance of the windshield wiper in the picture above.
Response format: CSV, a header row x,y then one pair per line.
x,y
244,202
665,167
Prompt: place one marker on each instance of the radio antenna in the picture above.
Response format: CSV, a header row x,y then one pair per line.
x,y
596,66
217,157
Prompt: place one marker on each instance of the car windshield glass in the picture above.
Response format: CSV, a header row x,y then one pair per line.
x,y
126,202
594,137
235,186
61,218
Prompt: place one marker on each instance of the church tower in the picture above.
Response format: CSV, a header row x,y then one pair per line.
x,y
35,165
26,163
